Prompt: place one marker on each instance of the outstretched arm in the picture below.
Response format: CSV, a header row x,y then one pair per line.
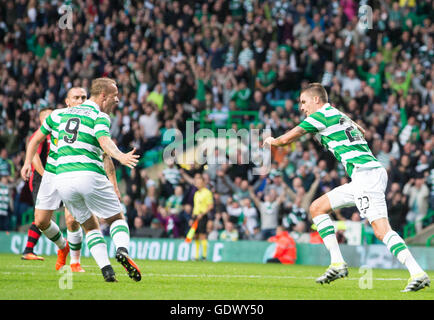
x,y
292,195
280,199
254,198
187,177
228,182
286,138
127,159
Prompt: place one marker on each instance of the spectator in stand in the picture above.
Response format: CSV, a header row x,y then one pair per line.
x,y
233,211
6,202
269,212
397,210
305,197
417,192
249,218
230,233
246,54
170,178
299,233
260,103
297,215
302,31
6,165
327,77
266,80
384,156
221,187
276,183
351,83
373,77
217,226
286,251
129,210
174,202
242,95
169,222
149,126
402,172
284,83
239,190
400,82
219,115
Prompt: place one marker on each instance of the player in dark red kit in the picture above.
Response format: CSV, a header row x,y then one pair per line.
x,y
38,165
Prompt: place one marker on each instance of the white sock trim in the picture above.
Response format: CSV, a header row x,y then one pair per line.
x,y
120,233
54,234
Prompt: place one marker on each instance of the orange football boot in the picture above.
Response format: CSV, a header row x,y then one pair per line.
x,y
130,266
61,256
31,256
76,267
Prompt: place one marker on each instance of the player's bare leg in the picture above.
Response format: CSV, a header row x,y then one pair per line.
x,y
418,278
98,248
75,240
52,231
319,210
120,234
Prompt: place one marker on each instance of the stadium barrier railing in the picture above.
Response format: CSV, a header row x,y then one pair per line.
x,y
28,217
429,240
410,228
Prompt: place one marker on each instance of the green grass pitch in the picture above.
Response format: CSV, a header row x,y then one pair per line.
x,y
173,280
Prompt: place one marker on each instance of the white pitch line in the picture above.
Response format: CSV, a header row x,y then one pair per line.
x,y
249,276
218,276
27,266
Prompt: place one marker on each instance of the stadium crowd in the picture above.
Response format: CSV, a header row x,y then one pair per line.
x,y
173,60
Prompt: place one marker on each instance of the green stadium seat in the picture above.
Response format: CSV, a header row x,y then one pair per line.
x,y
150,158
57,216
27,217
277,103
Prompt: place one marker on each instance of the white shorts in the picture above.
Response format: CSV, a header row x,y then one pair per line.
x,y
366,191
48,198
87,194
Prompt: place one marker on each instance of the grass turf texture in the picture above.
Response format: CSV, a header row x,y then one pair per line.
x,y
173,280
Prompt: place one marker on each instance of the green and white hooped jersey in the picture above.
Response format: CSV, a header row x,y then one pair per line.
x,y
338,134
51,126
78,147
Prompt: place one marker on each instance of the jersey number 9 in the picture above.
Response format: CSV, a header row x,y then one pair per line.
x,y
72,129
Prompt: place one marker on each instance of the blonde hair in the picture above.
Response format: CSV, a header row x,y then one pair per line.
x,y
316,89
101,85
